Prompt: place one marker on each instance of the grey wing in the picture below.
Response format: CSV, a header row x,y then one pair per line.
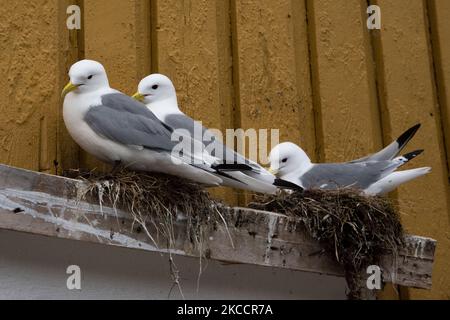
x,y
123,103
129,128
209,140
340,175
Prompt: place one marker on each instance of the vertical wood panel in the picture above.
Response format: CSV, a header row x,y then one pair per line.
x,y
272,69
192,47
187,50
409,94
29,43
303,78
117,34
344,80
70,51
439,12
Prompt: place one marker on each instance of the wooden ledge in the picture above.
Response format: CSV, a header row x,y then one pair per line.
x,y
47,205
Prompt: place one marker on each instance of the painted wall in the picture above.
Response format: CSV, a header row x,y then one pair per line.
x,y
309,68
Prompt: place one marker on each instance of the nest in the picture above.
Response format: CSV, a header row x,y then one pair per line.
x,y
156,200
357,229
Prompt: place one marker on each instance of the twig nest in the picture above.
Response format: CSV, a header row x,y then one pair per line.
x,y
355,228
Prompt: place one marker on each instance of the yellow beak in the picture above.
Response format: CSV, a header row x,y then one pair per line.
x,y
138,96
273,171
68,88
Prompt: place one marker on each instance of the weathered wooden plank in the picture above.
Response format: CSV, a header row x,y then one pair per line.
x,y
47,205
409,96
343,80
271,65
192,47
186,47
420,255
70,51
117,33
29,36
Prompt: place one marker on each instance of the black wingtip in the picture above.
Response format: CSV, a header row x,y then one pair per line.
x,y
232,167
223,174
286,185
407,135
413,154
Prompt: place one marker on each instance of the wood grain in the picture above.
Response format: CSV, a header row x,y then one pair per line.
x,y
272,74
343,80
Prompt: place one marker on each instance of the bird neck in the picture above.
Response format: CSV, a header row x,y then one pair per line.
x,y
305,166
164,107
300,169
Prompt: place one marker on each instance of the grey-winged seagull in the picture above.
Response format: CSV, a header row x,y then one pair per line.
x,y
117,129
158,93
374,177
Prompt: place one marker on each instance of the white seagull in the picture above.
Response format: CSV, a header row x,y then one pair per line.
x,y
117,129
158,93
374,177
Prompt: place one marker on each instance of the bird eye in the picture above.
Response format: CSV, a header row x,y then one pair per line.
x,y
154,87
90,77
284,160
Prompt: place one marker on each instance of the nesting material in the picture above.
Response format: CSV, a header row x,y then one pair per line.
x,y
355,228
156,199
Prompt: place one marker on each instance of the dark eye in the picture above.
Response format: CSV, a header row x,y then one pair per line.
x,y
154,87
90,77
284,160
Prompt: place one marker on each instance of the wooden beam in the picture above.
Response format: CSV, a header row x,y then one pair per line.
x,y
47,205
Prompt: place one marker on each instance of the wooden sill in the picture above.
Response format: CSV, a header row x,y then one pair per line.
x,y
47,205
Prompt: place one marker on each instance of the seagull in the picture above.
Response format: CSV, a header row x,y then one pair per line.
x,y
373,177
158,93
119,130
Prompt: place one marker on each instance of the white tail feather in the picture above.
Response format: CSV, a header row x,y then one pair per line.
x,y
393,180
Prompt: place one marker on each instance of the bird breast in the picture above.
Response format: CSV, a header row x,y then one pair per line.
x,y
73,114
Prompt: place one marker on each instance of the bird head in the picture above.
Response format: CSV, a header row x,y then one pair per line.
x,y
85,76
154,88
287,157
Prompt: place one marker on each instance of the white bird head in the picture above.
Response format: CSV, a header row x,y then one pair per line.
x,y
286,158
86,76
155,88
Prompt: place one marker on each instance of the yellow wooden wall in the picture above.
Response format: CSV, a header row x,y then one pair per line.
x,y
308,67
